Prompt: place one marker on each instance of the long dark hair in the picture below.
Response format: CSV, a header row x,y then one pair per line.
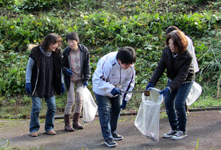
x,y
51,38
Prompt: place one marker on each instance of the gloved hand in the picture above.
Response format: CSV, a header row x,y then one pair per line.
x,y
124,104
62,88
69,72
115,91
165,91
85,83
149,85
28,88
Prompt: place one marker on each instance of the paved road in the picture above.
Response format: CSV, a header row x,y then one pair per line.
x,y
202,126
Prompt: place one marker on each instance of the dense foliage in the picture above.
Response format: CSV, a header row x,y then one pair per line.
x,y
106,25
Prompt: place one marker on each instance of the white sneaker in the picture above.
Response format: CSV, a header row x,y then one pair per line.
x,y
179,135
170,134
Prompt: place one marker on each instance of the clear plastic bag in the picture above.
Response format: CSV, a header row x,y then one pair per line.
x,y
194,93
89,105
148,116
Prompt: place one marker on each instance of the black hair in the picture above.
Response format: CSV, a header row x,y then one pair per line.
x,y
126,55
171,28
72,36
50,38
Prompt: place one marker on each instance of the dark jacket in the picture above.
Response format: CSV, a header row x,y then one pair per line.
x,y
37,72
85,64
179,69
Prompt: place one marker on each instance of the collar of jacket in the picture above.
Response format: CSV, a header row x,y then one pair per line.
x,y
185,54
182,55
116,62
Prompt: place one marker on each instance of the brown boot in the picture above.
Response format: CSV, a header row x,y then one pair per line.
x,y
76,124
67,121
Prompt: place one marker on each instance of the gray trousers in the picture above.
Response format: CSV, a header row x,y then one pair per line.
x,y
71,98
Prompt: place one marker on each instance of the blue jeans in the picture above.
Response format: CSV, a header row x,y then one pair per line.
x,y
177,115
109,112
36,106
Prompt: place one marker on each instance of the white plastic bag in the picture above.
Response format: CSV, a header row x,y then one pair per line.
x,y
89,106
194,94
148,116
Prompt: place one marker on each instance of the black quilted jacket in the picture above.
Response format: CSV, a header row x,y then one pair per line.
x,y
179,69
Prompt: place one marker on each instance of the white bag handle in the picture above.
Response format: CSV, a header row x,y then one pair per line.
x,y
153,98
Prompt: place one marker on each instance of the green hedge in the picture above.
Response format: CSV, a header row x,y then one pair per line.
x,y
104,31
101,28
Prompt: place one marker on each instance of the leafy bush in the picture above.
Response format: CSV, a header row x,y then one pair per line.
x,y
140,24
38,5
4,3
12,75
197,1
16,33
2,48
105,28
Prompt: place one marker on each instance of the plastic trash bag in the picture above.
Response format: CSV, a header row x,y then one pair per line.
x,y
194,94
89,105
148,116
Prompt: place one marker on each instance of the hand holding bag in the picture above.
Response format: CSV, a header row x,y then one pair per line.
x,y
148,116
89,105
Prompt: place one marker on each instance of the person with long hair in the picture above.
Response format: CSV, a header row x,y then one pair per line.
x,y
191,49
177,60
44,80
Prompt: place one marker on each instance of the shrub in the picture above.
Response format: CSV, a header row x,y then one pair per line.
x,y
17,33
38,5
12,76
4,3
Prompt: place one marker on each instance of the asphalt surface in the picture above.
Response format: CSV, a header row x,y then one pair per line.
x,y
203,129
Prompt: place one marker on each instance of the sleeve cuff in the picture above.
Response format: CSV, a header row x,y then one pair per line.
x,y
169,89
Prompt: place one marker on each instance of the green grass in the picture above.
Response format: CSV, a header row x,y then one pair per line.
x,y
208,102
8,147
22,106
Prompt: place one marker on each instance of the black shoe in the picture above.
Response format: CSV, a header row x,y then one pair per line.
x,y
110,142
170,134
117,137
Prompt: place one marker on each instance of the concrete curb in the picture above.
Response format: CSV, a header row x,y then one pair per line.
x,y
123,113
134,112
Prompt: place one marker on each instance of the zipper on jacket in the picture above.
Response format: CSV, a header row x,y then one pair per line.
x,y
69,62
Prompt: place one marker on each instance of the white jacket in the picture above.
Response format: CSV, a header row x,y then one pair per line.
x,y
192,50
109,74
